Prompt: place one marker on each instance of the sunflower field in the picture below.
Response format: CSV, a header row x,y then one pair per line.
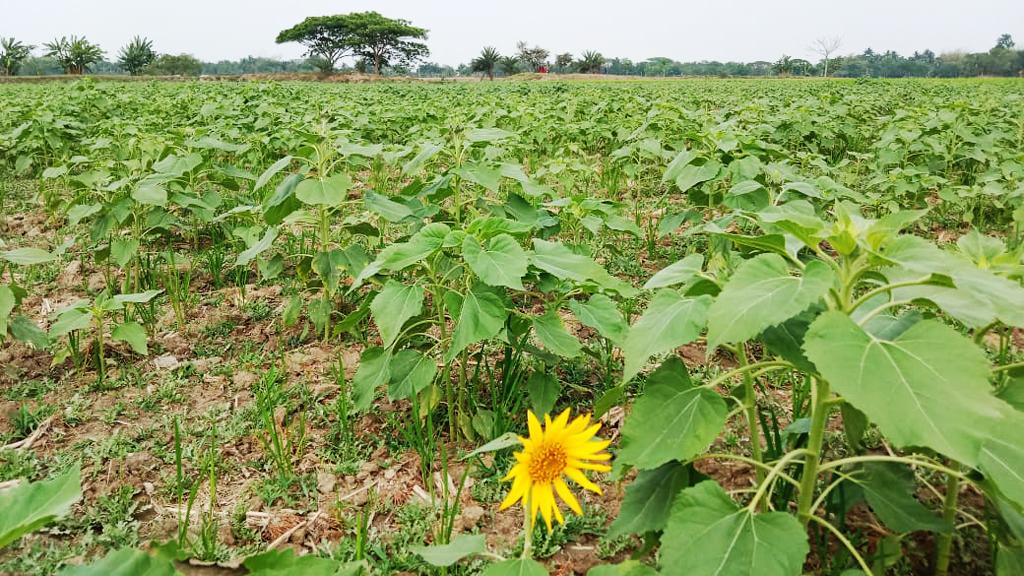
x,y
693,327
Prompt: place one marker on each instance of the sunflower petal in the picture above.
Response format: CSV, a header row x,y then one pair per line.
x,y
579,478
567,496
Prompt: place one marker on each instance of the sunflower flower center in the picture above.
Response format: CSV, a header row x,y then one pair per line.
x,y
547,463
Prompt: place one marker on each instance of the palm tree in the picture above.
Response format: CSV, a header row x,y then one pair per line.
x,y
136,55
591,62
486,61
12,54
509,65
76,55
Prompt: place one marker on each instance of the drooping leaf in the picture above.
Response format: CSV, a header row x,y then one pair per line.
x,y
482,316
543,389
28,256
928,387
124,562
261,246
601,314
1002,455
395,305
672,420
561,262
669,321
32,505
270,172
134,334
373,372
389,209
761,294
410,372
286,563
461,546
889,489
707,534
554,337
648,500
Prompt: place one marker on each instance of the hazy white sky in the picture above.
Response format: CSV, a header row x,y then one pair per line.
x,y
638,29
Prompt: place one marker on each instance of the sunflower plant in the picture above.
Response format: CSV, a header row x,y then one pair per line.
x,y
875,333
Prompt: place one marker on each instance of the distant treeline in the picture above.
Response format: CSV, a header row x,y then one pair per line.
x,y
1002,60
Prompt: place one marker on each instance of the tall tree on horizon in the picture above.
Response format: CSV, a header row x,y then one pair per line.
x,y
12,54
386,41
486,61
136,55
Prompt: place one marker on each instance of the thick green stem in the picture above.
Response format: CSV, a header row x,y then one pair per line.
x,y
819,417
750,408
944,542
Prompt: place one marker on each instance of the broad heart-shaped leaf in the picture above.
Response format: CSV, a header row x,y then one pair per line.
x,y
691,175
1002,455
286,563
460,547
323,192
762,293
561,262
150,192
601,314
124,562
482,174
678,273
28,256
515,567
554,337
889,489
648,500
669,321
672,420
134,334
502,263
709,535
33,505
410,372
395,304
927,387
979,297
482,316
373,372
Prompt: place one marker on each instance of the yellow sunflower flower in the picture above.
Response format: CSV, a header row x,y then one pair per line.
x,y
560,449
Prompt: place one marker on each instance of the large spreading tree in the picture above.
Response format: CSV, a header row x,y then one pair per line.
x,y
378,40
387,41
327,39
